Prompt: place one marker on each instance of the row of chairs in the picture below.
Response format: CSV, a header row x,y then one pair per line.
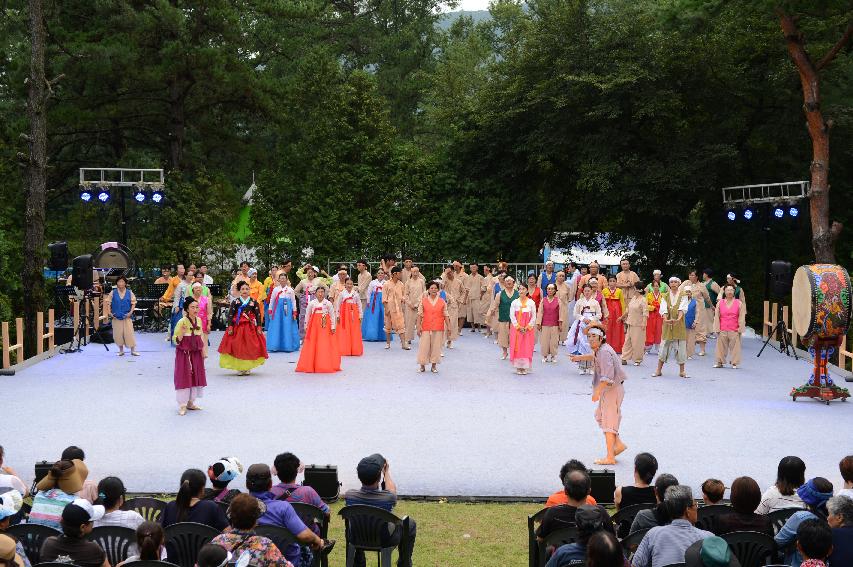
x,y
751,548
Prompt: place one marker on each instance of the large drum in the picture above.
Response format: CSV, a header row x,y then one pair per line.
x,y
821,301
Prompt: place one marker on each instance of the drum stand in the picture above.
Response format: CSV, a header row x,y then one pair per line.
x,y
781,330
820,385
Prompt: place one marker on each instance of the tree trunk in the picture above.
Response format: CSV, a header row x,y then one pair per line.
x,y
32,279
178,128
824,233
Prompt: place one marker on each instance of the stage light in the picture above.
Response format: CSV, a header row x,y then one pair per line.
x,y
139,196
778,212
731,215
85,195
157,196
793,211
747,214
104,194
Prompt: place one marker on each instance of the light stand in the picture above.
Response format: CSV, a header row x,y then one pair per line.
x,y
780,330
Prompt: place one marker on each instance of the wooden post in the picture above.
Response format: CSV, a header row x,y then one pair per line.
x,y
39,332
97,318
765,319
49,335
51,338
18,347
5,330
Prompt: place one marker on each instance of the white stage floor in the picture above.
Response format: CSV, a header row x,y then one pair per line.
x,y
474,429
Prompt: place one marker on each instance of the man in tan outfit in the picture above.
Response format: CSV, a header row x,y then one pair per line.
x,y
392,299
413,292
474,284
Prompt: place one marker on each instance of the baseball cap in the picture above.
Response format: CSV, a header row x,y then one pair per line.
x,y
82,512
370,466
10,503
258,477
710,552
225,469
588,518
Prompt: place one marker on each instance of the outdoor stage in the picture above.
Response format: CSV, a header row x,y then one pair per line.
x,y
474,429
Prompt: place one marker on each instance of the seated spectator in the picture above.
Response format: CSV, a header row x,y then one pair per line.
x,y
150,544
10,504
559,498
665,545
78,519
588,521
641,492
111,495
840,519
657,516
241,539
189,507
790,475
90,485
56,490
9,479
373,471
9,554
212,555
287,468
603,550
846,467
746,495
711,552
814,543
220,474
814,494
713,491
577,486
281,513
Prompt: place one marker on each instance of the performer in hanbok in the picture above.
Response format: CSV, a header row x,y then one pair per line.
x,y
546,278
178,298
501,305
338,284
599,297
729,323
406,272
205,312
373,323
283,334
492,314
549,323
587,311
305,290
636,318
415,288
363,282
454,288
615,302
522,336
348,309
474,285
190,377
535,293
607,390
242,276
243,345
432,322
119,304
257,291
691,320
319,352
654,326
566,295
699,323
392,298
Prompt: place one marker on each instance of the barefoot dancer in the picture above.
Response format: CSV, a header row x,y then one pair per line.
x,y
607,390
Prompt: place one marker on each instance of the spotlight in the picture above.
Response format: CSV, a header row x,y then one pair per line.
x,y
157,196
85,195
104,194
731,215
793,211
139,196
747,214
778,212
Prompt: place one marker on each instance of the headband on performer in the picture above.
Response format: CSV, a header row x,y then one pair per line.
x,y
674,279
595,331
656,273
196,284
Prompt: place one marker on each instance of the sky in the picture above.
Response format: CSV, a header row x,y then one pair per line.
x,y
474,4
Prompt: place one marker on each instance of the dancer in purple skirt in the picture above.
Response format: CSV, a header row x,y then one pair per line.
x,y
190,378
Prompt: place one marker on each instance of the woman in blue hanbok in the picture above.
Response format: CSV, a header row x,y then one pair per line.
x,y
283,330
373,323
587,311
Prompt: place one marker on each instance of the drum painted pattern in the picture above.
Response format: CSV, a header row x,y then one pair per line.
x,y
829,297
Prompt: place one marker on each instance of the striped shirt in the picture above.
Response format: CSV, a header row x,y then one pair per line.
x,y
665,545
48,506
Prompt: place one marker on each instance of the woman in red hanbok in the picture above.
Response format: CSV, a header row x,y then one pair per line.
x,y
348,309
615,301
243,346
320,349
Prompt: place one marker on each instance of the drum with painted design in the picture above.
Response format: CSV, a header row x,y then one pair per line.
x,y
821,297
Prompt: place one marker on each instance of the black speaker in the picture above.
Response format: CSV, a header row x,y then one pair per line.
x,y
81,275
781,278
58,256
603,485
323,479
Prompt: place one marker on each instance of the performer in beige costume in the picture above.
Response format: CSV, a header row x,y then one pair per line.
x,y
487,286
462,301
635,317
566,295
474,291
455,295
407,270
703,324
626,280
364,279
392,299
414,290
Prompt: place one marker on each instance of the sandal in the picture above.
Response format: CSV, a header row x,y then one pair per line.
x,y
656,374
182,410
684,375
434,370
134,353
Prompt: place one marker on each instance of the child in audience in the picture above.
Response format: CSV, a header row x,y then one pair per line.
x,y
713,491
814,542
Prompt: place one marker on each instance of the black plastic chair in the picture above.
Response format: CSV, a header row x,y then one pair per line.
x,y
676,565
32,537
311,515
623,519
532,544
632,542
779,517
152,563
706,516
364,527
149,508
55,564
555,539
280,536
116,541
184,539
752,549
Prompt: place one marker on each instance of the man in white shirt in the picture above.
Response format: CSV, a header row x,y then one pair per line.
x,y
206,279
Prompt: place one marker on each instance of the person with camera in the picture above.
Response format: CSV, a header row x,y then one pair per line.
x,y
378,489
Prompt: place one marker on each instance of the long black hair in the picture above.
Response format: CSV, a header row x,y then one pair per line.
x,y
149,538
110,492
192,483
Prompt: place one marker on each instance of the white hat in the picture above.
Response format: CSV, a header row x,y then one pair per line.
x,y
10,503
674,279
656,273
95,512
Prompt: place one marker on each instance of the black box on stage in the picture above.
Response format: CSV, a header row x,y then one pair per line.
x,y
41,470
603,485
323,479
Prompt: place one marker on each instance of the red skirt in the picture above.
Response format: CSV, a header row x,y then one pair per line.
x,y
349,331
654,328
319,352
615,327
243,347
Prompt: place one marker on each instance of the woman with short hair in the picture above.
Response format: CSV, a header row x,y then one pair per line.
x,y
431,324
745,498
522,331
549,323
729,324
119,304
239,539
244,345
190,376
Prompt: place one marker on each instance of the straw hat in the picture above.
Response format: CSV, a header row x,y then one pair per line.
x,y
7,550
70,479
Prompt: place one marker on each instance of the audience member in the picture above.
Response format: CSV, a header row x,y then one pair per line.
x,y
559,498
56,490
711,552
577,487
220,474
588,521
641,492
790,475
90,485
281,513
840,519
212,555
150,543
814,543
71,546
713,491
657,516
603,550
9,479
665,545
9,554
846,468
375,472
244,512
111,495
189,507
814,495
746,495
10,504
287,467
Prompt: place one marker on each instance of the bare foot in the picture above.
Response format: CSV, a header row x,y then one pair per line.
x,y
605,461
619,448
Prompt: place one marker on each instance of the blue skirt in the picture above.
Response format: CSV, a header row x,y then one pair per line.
x,y
373,322
283,330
